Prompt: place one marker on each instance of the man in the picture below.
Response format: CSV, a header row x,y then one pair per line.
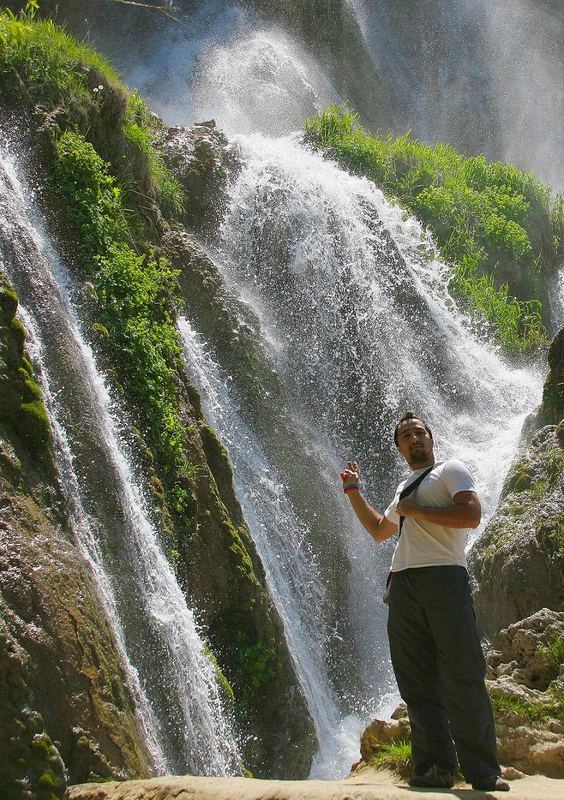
x,y
434,644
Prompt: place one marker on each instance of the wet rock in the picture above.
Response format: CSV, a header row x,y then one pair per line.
x,y
59,666
199,159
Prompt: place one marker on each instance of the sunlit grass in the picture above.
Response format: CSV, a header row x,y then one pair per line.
x,y
487,218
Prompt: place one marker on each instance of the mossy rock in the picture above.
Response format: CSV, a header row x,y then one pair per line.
x,y
552,408
518,563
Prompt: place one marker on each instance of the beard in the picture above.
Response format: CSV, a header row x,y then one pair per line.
x,y
419,455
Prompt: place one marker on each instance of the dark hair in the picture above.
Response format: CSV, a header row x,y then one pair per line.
x,y
407,417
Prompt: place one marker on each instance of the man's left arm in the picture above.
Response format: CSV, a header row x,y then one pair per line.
x,y
464,512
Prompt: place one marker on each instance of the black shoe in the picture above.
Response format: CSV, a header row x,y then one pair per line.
x,y
435,777
491,783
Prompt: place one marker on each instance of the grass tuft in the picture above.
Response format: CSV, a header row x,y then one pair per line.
x,y
395,757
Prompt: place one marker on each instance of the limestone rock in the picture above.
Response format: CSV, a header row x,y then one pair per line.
x,y
198,158
525,680
382,732
518,563
526,683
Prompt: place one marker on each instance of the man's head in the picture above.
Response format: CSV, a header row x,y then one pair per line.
x,y
414,440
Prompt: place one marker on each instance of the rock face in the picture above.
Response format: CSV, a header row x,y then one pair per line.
x,y
65,712
198,158
552,409
526,683
518,562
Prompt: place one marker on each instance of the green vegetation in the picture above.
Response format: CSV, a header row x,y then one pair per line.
x,y
140,128
503,703
71,86
21,400
88,112
221,679
134,293
497,225
395,757
256,662
554,652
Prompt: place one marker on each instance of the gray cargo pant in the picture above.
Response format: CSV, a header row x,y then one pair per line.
x,y
440,668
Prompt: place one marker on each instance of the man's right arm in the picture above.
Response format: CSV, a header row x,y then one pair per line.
x,y
377,525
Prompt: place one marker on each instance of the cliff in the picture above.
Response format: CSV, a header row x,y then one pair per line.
x,y
111,204
65,710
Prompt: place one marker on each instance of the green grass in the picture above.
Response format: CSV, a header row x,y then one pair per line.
x,y
395,757
489,219
71,86
52,64
554,652
533,712
139,129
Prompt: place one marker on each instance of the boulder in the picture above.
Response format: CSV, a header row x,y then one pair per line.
x,y
381,733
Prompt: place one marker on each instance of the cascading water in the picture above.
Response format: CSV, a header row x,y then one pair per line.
x,y
357,301
281,539
85,529
355,312
171,677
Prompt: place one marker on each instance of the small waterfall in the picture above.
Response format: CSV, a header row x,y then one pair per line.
x,y
291,567
85,532
183,708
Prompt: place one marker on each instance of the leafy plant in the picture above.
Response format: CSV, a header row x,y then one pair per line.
x,y
134,292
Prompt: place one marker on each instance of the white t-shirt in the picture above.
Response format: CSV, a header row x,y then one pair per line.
x,y
423,543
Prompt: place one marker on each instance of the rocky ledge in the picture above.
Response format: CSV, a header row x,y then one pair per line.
x,y
518,562
369,785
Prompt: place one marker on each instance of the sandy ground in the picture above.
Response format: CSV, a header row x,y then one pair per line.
x,y
369,785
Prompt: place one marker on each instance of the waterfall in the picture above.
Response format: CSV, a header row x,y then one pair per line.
x,y
170,676
227,64
355,312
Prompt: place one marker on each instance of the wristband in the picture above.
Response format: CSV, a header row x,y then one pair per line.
x,y
349,487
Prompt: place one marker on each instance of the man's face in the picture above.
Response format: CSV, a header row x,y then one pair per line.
x,y
415,444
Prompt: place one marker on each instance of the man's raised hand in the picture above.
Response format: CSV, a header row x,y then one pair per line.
x,y
351,473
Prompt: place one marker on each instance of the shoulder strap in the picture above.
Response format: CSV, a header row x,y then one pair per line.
x,y
407,490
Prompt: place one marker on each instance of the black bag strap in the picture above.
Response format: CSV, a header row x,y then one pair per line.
x,y
407,490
